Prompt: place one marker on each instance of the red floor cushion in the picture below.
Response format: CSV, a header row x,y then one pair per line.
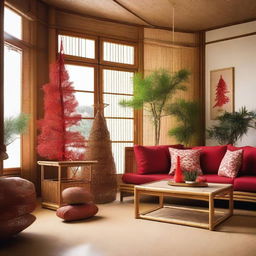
x,y
245,183
210,158
77,212
137,179
153,159
76,195
214,178
249,160
16,225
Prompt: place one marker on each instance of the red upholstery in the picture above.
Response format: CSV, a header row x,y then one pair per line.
x,y
137,179
77,212
153,159
249,160
211,157
214,178
245,183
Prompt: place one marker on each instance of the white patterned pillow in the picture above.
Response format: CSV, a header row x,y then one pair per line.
x,y
231,163
189,160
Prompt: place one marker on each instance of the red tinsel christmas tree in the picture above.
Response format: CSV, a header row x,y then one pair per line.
x,y
221,90
56,141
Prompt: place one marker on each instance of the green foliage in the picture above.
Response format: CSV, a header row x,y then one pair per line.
x,y
14,126
187,114
232,126
190,175
153,91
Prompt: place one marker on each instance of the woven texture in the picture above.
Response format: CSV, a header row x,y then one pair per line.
x,y
103,179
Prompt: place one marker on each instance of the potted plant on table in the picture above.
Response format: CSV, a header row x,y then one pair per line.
x,y
190,177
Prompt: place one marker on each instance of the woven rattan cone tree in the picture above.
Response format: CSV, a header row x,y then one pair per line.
x,y
103,178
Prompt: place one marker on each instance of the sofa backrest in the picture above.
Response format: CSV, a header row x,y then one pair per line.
x,y
129,162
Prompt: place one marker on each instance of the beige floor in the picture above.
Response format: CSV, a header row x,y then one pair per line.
x,y
115,232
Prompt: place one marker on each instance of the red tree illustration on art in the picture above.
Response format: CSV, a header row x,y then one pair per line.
x,y
56,141
221,91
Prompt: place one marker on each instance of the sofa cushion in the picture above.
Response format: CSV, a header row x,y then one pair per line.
x,y
249,160
189,160
137,179
214,178
153,159
231,163
77,212
211,157
245,183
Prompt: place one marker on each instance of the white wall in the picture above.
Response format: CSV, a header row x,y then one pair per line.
x,y
239,53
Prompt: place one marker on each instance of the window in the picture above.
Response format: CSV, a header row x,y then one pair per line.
x,y
13,57
107,80
12,23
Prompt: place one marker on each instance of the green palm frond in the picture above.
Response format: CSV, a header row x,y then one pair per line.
x,y
232,126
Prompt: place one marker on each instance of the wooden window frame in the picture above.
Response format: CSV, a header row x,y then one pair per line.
x,y
116,64
83,36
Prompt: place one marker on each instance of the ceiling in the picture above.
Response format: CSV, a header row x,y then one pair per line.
x,y
190,15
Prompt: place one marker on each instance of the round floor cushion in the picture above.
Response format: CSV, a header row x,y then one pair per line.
x,y
16,225
76,195
77,212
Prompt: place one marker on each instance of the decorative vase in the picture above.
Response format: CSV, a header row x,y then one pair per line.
x,y
178,177
103,184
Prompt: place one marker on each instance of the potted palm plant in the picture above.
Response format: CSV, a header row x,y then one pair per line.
x,y
154,91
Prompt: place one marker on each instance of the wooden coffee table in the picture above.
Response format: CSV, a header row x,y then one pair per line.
x,y
196,217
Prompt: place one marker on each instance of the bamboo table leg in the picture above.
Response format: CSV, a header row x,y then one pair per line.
x,y
211,212
231,202
136,202
59,186
161,200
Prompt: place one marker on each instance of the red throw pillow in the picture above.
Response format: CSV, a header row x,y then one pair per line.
x,y
189,160
76,195
249,159
211,157
77,212
153,159
231,163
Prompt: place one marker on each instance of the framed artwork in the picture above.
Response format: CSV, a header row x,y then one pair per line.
x,y
222,91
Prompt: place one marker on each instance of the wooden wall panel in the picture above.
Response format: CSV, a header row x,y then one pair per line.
x,y
1,79
82,24
160,53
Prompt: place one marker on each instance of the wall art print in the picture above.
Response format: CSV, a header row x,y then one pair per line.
x,y
222,91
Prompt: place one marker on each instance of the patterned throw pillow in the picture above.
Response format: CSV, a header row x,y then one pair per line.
x,y
231,163
189,160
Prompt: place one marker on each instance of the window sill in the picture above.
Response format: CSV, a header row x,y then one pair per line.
x,y
12,171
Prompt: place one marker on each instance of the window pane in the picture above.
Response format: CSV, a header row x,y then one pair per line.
x,y
118,154
118,81
114,109
12,23
84,127
118,53
85,103
77,46
120,129
81,76
12,101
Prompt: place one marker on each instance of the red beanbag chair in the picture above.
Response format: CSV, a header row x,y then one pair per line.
x,y
77,212
76,195
14,226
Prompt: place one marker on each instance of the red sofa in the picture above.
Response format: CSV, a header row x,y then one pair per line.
x,y
154,164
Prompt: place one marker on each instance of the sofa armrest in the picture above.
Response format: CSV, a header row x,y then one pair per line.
x,y
130,163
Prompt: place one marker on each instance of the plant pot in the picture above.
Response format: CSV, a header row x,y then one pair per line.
x,y
190,182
